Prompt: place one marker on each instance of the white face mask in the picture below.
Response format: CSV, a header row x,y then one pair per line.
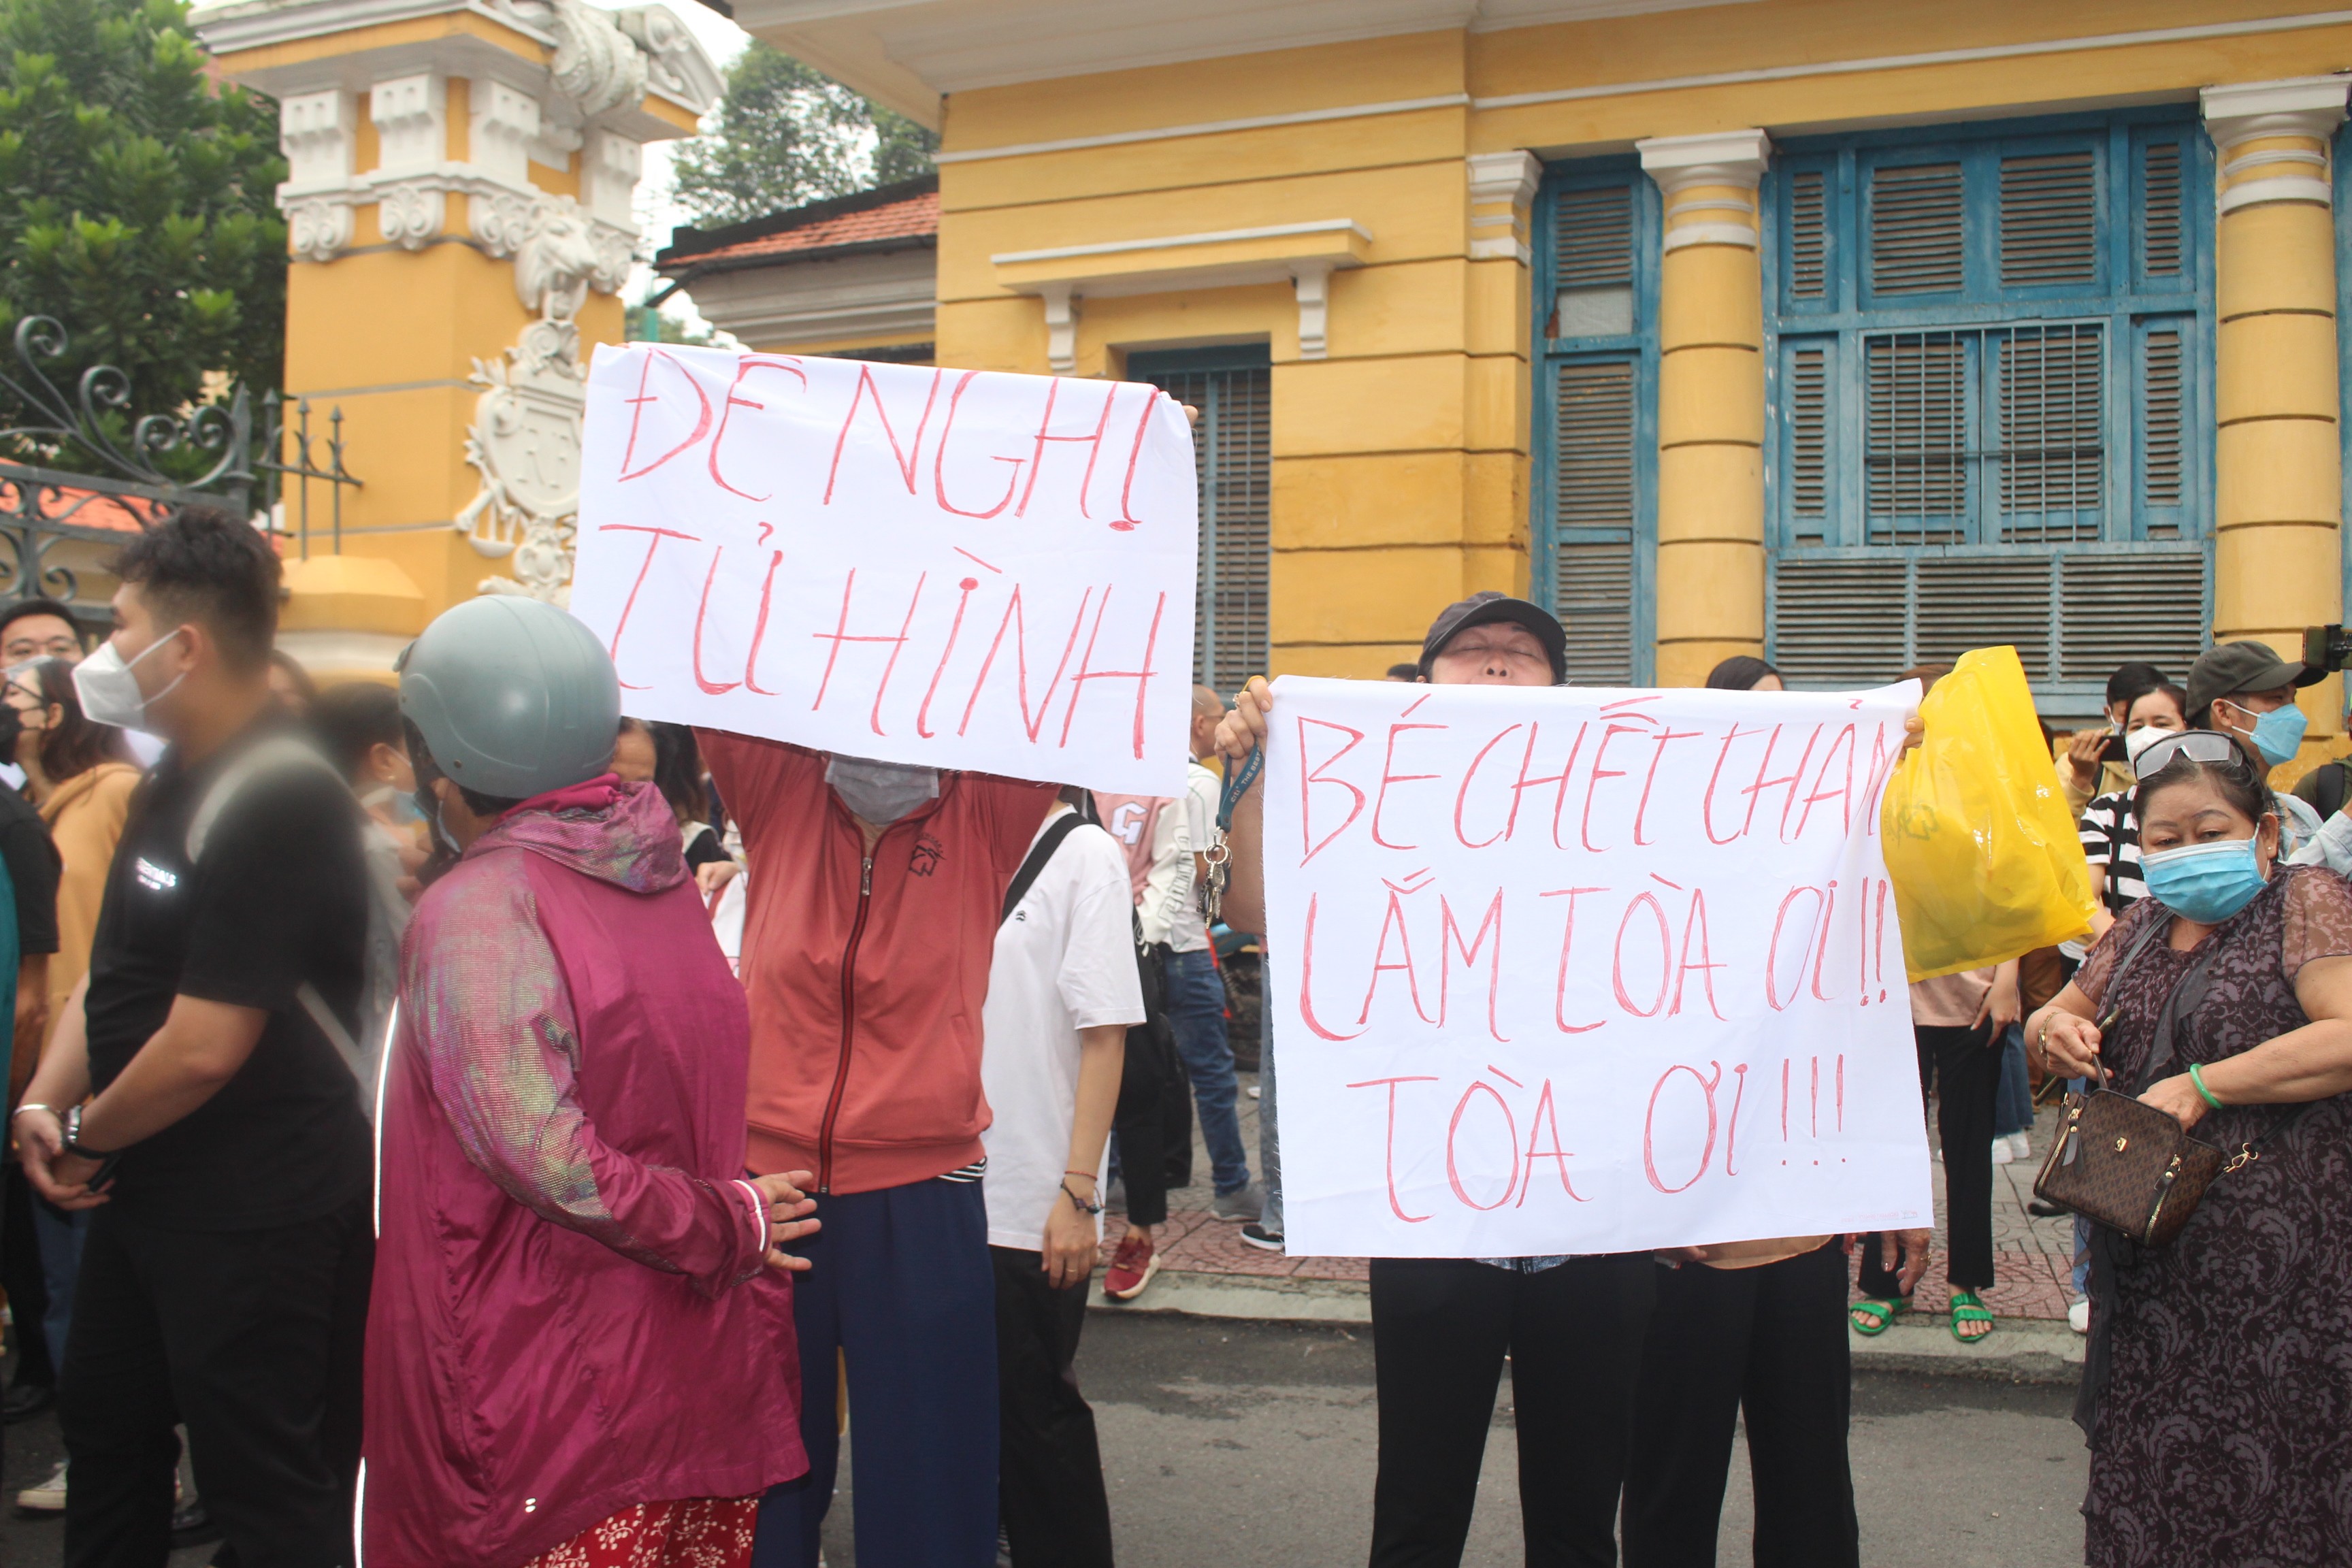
x,y
881,793
110,690
2141,739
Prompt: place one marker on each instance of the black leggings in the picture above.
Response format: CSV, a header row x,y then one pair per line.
x,y
1965,1066
1772,1342
1441,1328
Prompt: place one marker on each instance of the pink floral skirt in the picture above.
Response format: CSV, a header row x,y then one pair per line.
x,y
693,1532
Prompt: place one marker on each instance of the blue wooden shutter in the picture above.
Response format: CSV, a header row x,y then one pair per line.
x,y
1595,459
1990,349
1232,387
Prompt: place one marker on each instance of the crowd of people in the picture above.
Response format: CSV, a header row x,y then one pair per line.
x,y
389,1127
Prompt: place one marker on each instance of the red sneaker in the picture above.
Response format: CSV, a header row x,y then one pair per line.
x,y
1131,1266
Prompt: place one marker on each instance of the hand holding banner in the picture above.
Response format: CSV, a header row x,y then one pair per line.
x,y
954,568
1569,971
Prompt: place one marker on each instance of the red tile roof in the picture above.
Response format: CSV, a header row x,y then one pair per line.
x,y
85,509
917,217
903,215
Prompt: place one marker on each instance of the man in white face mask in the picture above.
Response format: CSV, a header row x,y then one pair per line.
x,y
875,891
225,1156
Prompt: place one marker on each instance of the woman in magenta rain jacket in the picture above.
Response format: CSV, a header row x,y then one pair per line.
x,y
575,1351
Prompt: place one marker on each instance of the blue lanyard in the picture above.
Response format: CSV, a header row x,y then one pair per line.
x,y
1237,785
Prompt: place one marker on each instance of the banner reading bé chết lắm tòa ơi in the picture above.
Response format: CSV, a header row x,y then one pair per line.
x,y
967,570
1566,970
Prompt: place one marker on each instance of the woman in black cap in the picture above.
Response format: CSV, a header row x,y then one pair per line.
x,y
1572,1327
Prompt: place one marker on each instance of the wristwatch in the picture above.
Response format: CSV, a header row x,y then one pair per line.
x,y
73,1137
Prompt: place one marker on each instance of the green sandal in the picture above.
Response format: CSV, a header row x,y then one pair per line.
x,y
1886,1312
1967,1309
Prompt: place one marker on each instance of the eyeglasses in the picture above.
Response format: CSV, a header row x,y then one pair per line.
x,y
2207,746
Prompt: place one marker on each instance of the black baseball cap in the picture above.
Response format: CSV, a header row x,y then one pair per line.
x,y
2236,667
1485,609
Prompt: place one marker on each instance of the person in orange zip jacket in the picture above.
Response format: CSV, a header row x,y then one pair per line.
x,y
872,895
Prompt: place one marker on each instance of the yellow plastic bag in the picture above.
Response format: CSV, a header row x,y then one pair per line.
x,y
1980,844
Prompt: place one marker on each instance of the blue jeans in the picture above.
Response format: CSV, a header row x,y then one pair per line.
x,y
1269,1134
1196,1009
2012,1103
59,1233
902,1286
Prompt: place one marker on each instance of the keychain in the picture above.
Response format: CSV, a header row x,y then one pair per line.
x,y
1218,857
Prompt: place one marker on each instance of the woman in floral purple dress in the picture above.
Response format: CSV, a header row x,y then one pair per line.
x,y
2218,1397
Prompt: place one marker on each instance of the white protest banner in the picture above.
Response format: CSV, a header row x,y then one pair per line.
x,y
1567,970
948,567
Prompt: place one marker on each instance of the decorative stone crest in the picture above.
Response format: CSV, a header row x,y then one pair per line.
x,y
318,226
410,213
597,67
525,438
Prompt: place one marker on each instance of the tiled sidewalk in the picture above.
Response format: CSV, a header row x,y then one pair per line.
x,y
2031,1258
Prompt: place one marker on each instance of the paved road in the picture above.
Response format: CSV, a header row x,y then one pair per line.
x,y
1246,1443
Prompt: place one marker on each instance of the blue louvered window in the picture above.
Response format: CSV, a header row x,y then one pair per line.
x,y
1595,468
1990,347
1232,447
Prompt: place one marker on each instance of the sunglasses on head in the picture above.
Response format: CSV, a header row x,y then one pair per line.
x,y
2207,746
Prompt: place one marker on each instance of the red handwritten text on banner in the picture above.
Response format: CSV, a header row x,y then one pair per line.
x,y
1572,970
968,569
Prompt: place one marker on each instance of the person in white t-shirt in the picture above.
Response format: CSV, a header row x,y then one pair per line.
x,y
1165,841
1061,993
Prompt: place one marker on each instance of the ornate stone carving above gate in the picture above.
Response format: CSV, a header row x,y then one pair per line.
x,y
525,438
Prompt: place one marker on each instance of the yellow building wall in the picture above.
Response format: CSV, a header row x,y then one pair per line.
x,y
391,337
1400,460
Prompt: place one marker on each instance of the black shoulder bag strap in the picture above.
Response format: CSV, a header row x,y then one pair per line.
x,y
1039,853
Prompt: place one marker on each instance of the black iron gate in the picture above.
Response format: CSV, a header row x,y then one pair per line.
x,y
78,475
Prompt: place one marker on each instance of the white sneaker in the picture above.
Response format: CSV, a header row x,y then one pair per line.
x,y
2001,1152
2078,1316
2020,1144
49,1496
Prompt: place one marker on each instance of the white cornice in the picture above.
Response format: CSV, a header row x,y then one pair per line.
x,y
683,73
2245,28
904,51
254,24
1181,241
1210,128
2242,28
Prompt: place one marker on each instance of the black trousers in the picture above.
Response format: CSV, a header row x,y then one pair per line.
x,y
253,1339
1139,1123
1049,1465
1771,1340
1441,1328
1964,1068
27,1286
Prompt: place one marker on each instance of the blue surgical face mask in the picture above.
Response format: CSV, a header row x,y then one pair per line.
x,y
2278,734
2207,883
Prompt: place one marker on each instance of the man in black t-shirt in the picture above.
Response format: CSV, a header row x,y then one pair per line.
x,y
224,1281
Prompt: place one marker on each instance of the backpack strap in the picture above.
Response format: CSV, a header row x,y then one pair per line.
x,y
1039,853
276,754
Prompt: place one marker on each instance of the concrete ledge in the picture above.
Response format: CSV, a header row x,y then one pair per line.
x,y
2019,1350
1203,1295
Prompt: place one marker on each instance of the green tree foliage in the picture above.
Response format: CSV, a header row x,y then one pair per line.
x,y
138,200
786,135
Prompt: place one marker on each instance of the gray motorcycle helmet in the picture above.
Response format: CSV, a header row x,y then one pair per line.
x,y
513,697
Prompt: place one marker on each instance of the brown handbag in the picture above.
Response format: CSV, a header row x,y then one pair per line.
x,y
2128,1166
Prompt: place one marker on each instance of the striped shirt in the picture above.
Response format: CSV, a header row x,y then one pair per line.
x,y
2111,840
